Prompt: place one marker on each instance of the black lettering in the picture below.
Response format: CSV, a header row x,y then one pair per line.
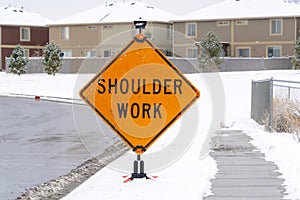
x,y
112,85
137,90
135,112
146,110
156,110
122,109
156,86
101,90
166,84
124,87
177,86
144,87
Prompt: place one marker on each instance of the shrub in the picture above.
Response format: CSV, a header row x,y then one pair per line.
x,y
210,53
18,61
286,116
52,59
296,58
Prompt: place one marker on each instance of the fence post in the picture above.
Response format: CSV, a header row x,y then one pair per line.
x,y
271,105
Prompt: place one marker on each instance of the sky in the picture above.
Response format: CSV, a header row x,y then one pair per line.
x,y
57,9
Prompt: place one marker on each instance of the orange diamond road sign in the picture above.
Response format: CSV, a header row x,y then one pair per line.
x,y
139,94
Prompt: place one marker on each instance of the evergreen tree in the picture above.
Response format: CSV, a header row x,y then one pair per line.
x,y
210,52
296,57
51,58
18,61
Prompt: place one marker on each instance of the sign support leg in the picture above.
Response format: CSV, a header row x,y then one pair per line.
x,y
138,169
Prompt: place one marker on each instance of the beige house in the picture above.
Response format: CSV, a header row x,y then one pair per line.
x,y
247,28
103,30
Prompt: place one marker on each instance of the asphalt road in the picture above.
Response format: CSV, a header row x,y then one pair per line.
x,y
39,141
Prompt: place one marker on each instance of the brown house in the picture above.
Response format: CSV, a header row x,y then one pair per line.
x,y
20,27
256,28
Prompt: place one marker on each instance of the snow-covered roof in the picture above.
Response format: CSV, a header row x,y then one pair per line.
x,y
118,12
247,9
11,15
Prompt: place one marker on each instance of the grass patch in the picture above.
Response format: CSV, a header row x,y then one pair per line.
x,y
286,116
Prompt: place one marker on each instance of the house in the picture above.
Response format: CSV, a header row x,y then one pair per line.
x,y
103,30
18,26
247,28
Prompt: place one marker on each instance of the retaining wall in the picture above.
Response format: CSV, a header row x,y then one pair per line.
x,y
186,65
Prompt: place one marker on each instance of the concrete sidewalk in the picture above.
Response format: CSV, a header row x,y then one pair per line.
x,y
243,174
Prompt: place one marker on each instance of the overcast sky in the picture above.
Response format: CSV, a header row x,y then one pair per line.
x,y
56,9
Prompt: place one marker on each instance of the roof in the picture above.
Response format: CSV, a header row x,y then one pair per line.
x,y
245,9
11,15
118,12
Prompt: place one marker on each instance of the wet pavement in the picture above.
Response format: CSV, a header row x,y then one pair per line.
x,y
39,141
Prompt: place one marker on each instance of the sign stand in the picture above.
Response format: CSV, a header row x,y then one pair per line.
x,y
138,168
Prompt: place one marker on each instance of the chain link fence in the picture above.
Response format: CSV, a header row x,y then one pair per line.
x,y
276,104
289,90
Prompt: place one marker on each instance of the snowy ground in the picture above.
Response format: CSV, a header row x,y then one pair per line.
x,y
188,178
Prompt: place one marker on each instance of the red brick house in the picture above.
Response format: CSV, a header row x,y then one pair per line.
x,y
20,27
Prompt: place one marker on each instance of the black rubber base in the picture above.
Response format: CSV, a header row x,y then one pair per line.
x,y
138,175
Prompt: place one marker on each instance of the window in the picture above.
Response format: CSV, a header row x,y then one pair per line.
x,y
108,53
241,22
170,32
276,26
65,33
107,26
26,52
90,53
168,53
222,23
67,53
192,52
191,30
274,51
25,34
92,27
243,52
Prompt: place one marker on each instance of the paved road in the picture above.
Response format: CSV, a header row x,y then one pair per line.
x,y
39,142
243,174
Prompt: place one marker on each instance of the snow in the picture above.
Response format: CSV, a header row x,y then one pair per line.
x,y
59,86
187,177
118,12
280,148
245,9
11,15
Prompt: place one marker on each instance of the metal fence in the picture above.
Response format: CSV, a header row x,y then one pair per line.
x,y
270,97
289,90
261,101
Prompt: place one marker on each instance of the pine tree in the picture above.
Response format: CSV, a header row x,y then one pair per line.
x,y
210,52
18,61
51,58
296,58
